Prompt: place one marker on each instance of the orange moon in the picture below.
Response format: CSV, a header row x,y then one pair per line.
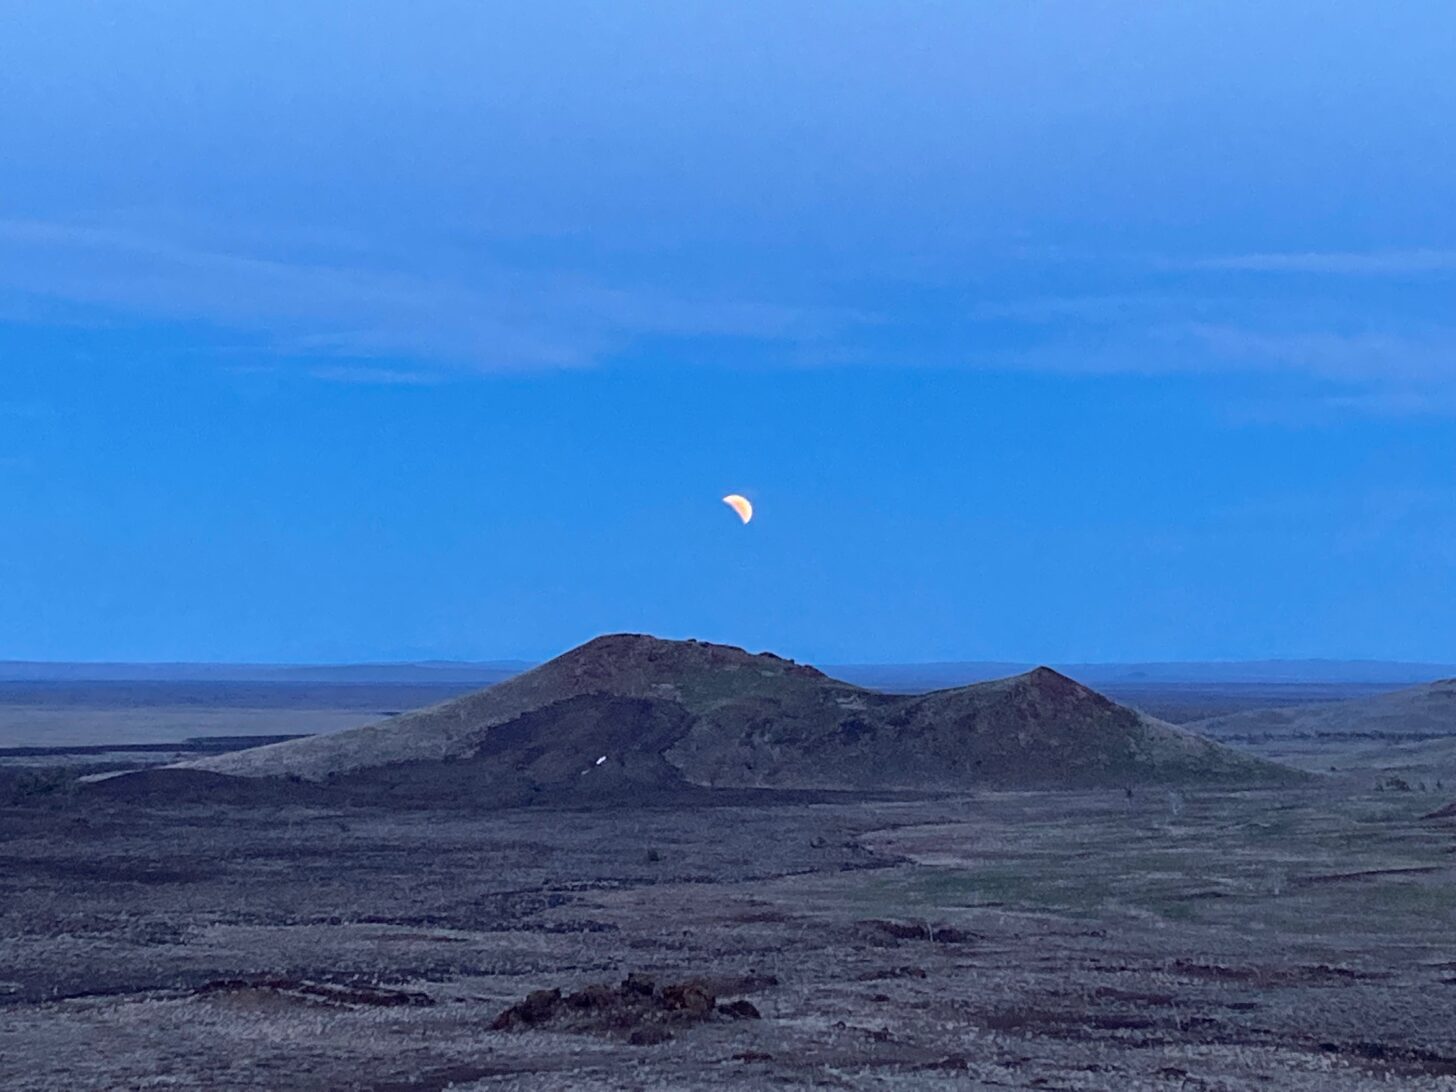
x,y
739,505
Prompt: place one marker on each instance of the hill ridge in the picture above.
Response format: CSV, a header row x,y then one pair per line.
x,y
717,716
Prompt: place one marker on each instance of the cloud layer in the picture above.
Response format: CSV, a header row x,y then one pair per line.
x,y
484,318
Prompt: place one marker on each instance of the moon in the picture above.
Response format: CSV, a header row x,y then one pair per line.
x,y
739,505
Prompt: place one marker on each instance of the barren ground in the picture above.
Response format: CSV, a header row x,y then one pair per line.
x,y
1049,940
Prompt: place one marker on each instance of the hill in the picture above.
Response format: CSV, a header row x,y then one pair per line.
x,y
629,710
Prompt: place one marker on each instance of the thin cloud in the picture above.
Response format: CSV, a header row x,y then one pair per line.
x,y
1376,263
1393,403
482,319
1096,309
1365,357
1324,375
1321,409
366,376
1205,348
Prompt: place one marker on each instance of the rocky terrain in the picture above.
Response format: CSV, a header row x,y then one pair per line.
x,y
632,713
733,871
1291,938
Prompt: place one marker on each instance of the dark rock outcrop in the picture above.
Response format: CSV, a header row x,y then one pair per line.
x,y
638,1009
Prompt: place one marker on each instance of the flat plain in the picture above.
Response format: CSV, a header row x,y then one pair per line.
x,y
69,713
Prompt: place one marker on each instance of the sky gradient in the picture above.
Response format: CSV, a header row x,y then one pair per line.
x,y
1034,331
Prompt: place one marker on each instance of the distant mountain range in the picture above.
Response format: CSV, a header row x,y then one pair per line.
x,y
634,714
425,671
905,677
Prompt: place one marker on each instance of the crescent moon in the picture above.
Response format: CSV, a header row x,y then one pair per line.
x,y
739,505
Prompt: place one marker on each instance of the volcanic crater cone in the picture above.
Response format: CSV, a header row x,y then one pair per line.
x,y
627,713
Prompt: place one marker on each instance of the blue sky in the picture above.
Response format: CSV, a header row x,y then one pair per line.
x,y
1035,331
